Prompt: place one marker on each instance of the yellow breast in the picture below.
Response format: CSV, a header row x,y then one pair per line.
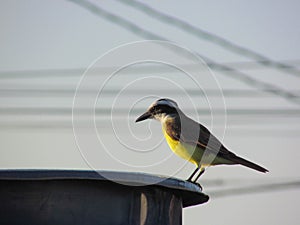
x,y
185,151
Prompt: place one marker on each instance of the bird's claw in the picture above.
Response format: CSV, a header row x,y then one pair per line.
x,y
193,182
198,185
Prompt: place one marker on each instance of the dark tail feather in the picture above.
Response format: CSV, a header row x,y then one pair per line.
x,y
249,164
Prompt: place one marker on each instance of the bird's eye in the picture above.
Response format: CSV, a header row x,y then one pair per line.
x,y
153,109
156,110
159,110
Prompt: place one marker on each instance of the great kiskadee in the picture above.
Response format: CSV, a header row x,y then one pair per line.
x,y
191,140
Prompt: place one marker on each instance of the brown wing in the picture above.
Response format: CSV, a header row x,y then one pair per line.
x,y
188,131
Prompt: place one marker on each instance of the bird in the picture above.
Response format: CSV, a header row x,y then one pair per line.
x,y
191,140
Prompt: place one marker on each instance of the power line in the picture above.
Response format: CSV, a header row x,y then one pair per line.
x,y
73,72
55,125
256,189
124,111
129,26
67,92
205,35
254,82
116,19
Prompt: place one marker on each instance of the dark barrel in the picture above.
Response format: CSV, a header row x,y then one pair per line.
x,y
90,197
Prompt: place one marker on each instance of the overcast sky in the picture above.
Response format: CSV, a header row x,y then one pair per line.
x,y
36,102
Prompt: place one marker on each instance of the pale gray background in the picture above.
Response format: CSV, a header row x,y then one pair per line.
x,y
42,41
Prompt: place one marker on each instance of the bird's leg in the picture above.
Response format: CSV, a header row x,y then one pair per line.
x,y
193,174
199,175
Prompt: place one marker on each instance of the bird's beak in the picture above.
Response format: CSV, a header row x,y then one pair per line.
x,y
144,116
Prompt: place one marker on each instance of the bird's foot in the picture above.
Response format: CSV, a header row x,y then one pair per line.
x,y
193,182
199,185
189,180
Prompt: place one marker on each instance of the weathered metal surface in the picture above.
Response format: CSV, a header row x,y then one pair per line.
x,y
86,197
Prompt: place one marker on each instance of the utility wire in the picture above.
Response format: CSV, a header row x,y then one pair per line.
x,y
124,111
205,35
235,74
220,183
256,189
116,19
66,92
129,26
55,125
73,72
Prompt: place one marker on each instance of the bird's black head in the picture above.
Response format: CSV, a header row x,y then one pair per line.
x,y
159,110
